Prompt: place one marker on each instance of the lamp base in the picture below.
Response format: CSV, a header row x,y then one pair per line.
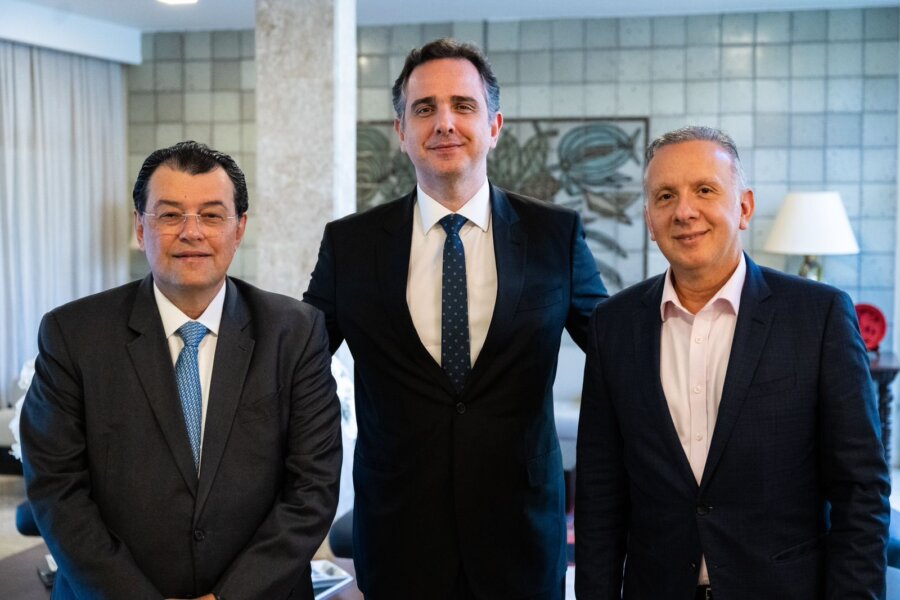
x,y
811,268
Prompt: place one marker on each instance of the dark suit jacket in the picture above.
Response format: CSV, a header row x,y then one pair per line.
x,y
797,426
109,470
443,478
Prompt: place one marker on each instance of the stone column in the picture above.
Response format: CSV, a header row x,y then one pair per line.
x,y
306,133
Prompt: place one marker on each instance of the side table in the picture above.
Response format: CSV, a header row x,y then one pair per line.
x,y
884,367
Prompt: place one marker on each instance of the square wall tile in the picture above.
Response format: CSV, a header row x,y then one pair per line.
x,y
850,196
770,165
142,139
374,104
669,31
845,59
503,36
809,26
170,107
704,30
634,31
199,132
227,137
141,107
843,129
248,74
169,46
773,28
808,130
471,32
601,33
373,40
880,94
568,33
881,23
226,44
737,61
169,134
248,137
534,67
880,129
807,95
226,106
772,95
567,101
842,165
535,35
634,65
845,25
148,51
702,62
736,96
248,106
226,75
769,197
198,45
601,65
371,71
880,58
405,37
197,75
140,77
772,130
842,271
807,166
879,200
667,64
436,31
509,101
633,99
567,66
197,107
773,61
738,28
169,76
668,98
876,235
740,128
702,97
845,94
505,65
879,165
808,60
600,99
534,101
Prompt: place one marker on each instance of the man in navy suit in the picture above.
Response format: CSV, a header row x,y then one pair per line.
x,y
457,470
146,484
726,407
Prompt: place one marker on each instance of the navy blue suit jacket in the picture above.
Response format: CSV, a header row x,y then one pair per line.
x,y
445,478
797,428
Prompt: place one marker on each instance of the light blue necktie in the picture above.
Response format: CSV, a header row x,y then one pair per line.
x,y
454,305
187,375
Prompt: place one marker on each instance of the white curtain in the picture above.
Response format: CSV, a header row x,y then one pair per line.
x,y
64,200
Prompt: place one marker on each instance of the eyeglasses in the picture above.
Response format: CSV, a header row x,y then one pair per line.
x,y
211,222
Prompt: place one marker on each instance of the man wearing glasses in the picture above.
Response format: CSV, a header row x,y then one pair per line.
x,y
182,434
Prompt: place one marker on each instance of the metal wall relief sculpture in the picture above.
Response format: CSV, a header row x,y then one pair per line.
x,y
591,165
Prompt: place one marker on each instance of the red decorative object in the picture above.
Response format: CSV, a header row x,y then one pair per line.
x,y
872,325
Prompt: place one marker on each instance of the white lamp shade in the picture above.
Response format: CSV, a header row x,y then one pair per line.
x,y
812,223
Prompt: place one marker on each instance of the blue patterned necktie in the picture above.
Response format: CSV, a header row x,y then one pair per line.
x,y
187,375
454,305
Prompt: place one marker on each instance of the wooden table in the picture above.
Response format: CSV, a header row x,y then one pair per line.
x,y
19,580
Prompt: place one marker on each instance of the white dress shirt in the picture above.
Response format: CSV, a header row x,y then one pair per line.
x,y
694,351
426,260
172,319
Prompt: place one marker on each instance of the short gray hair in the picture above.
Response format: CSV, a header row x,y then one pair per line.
x,y
698,133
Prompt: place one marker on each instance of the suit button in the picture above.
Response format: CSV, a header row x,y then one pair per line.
x,y
460,407
199,535
703,510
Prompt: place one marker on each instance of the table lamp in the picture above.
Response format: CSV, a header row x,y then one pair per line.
x,y
812,224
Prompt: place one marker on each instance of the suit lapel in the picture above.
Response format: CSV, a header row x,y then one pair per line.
x,y
510,248
234,349
152,362
750,334
647,332
393,247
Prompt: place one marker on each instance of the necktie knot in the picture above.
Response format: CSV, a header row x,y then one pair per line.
x,y
192,333
453,223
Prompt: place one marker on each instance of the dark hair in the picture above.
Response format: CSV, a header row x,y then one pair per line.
x,y
447,48
698,133
193,158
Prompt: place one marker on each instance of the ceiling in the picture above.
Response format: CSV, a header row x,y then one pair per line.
x,y
150,15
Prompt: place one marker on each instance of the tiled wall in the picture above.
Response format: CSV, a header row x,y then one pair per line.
x,y
810,97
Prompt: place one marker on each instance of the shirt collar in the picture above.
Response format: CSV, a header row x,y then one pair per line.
x,y
477,209
729,295
173,318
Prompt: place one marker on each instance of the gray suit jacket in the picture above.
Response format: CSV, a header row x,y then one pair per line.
x,y
109,470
